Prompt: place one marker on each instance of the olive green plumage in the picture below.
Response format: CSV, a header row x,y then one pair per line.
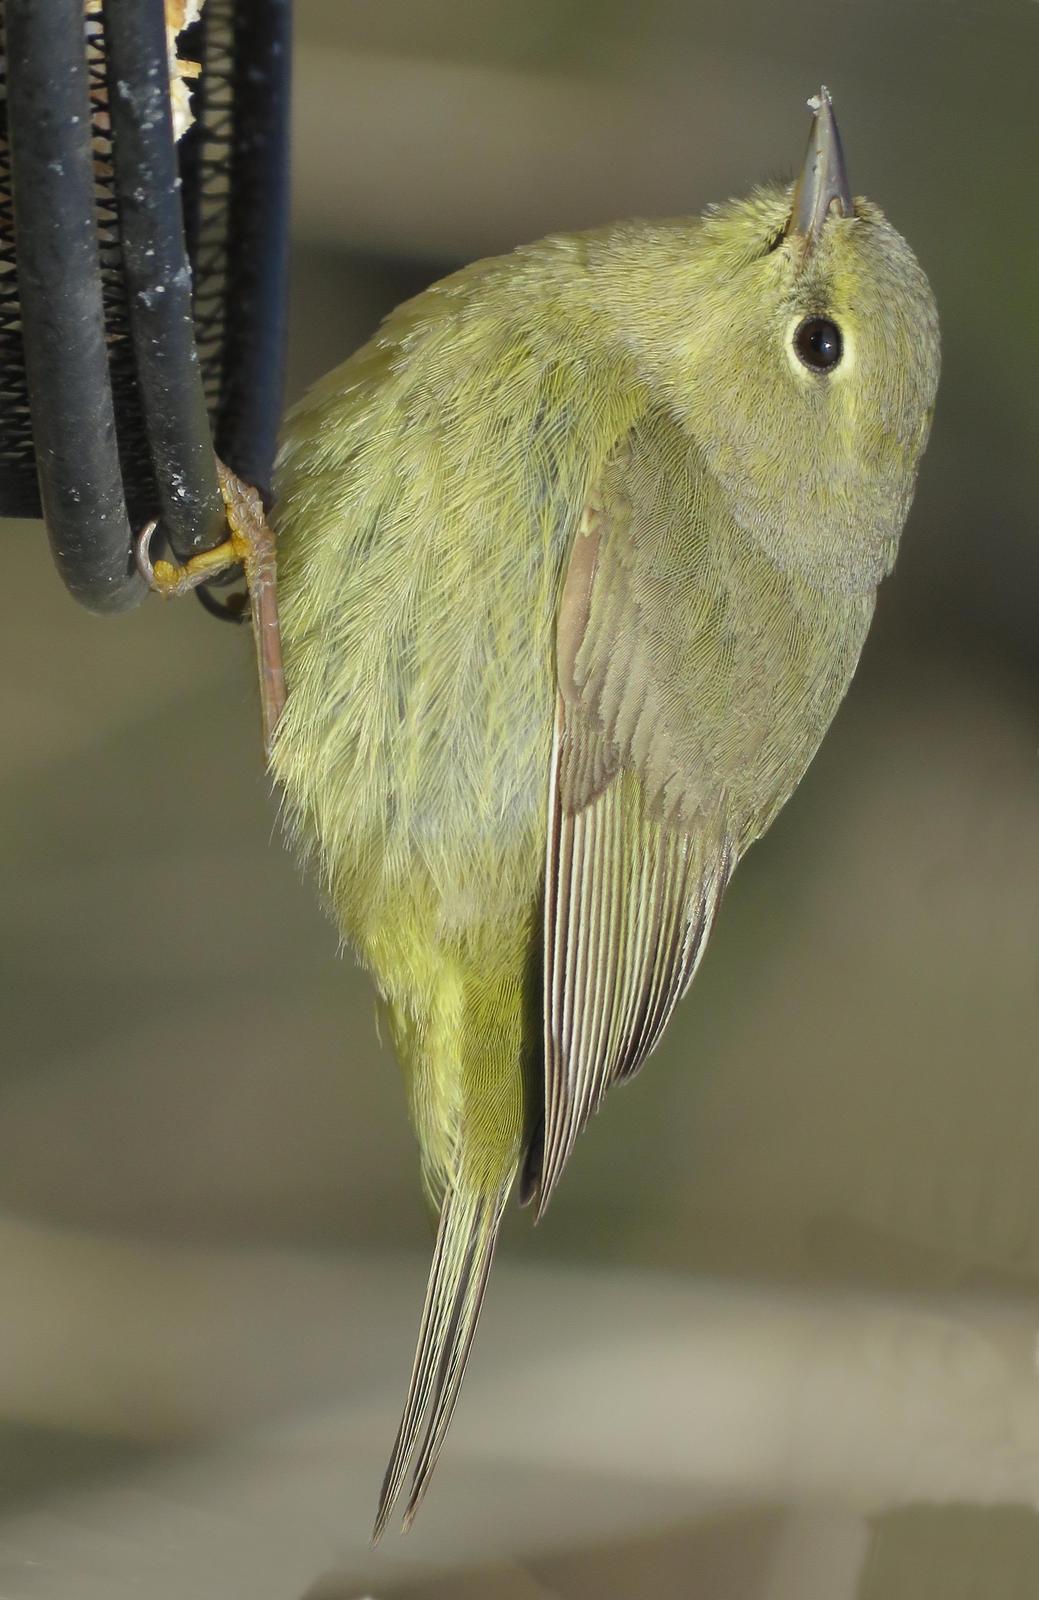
x,y
576,561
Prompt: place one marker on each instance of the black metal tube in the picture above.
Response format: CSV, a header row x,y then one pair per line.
x,y
63,332
157,276
254,353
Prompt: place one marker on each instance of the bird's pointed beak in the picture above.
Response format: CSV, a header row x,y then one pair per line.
x,y
824,180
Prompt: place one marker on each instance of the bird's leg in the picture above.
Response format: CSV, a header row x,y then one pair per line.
x,y
250,546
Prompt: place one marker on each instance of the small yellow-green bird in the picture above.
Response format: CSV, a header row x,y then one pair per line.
x,y
576,559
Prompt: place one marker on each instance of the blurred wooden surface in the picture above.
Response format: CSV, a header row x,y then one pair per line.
x,y
246,1397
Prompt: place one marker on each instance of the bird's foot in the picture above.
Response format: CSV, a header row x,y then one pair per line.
x,y
251,546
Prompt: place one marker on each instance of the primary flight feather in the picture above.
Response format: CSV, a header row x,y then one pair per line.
x,y
576,559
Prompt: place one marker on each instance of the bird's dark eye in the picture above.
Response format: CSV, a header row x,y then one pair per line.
x,y
818,343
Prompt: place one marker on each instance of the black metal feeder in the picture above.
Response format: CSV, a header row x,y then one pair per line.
x,y
142,280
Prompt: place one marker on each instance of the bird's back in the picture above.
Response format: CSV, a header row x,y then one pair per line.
x,y
428,492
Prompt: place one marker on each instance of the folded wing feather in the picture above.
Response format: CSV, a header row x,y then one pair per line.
x,y
632,885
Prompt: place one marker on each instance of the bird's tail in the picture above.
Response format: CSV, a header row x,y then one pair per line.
x,y
462,1257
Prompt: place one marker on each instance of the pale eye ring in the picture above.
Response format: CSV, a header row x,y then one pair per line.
x,y
818,343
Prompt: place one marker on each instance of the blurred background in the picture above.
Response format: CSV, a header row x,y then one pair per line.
x,y
777,1339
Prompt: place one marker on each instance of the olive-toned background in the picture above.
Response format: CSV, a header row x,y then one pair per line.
x,y
777,1338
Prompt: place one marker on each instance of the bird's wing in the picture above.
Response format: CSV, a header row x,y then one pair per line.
x,y
639,847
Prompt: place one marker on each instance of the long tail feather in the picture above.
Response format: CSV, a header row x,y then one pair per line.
x,y
462,1257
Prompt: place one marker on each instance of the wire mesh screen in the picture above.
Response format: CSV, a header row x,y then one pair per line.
x,y
19,494
205,160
